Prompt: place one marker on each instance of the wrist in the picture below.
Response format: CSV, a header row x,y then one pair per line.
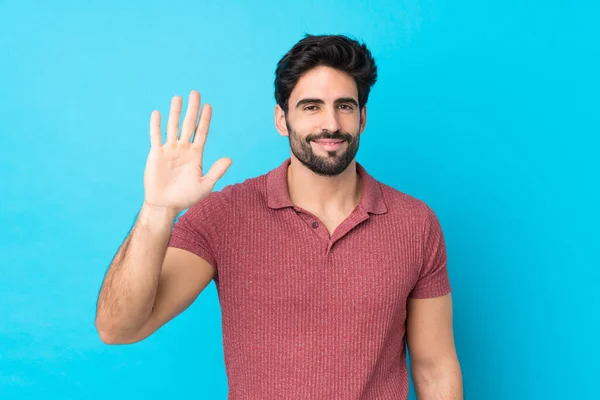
x,y
156,216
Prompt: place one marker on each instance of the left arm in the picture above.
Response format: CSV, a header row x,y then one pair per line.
x,y
434,363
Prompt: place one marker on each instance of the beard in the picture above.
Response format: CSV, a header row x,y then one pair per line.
x,y
335,162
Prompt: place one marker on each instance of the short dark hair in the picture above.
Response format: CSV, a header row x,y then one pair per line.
x,y
336,51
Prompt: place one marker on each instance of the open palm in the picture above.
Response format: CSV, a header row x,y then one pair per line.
x,y
173,177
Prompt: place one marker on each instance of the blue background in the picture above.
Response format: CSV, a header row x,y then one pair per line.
x,y
487,112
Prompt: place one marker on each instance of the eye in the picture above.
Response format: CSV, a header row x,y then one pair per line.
x,y
346,106
310,108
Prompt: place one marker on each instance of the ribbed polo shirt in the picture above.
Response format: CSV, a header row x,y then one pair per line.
x,y
305,314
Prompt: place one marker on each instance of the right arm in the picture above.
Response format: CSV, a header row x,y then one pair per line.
x,y
149,283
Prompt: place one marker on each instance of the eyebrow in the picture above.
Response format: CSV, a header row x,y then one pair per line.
x,y
313,100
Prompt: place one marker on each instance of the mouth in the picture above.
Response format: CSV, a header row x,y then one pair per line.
x,y
330,144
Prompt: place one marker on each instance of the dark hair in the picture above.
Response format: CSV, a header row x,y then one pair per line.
x,y
336,51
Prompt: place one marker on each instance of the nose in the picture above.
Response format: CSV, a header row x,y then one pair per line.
x,y
330,121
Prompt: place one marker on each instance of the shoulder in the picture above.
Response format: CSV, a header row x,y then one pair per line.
x,y
410,213
250,191
231,196
401,204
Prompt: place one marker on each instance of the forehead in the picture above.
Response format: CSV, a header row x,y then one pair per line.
x,y
325,83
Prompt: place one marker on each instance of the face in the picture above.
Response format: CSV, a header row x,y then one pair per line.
x,y
323,122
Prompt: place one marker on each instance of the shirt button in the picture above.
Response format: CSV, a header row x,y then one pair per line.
x,y
315,225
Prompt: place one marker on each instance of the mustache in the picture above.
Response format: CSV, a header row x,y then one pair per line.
x,y
337,135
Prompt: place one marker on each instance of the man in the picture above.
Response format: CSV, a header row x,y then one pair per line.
x,y
322,272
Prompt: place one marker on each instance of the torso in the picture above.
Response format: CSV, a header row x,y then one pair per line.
x,y
312,306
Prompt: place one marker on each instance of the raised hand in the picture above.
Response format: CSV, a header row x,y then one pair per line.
x,y
173,178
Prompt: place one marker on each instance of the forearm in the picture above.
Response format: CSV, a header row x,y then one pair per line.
x,y
441,381
129,289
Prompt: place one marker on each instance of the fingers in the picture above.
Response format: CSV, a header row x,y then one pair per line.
x,y
173,124
189,122
218,169
191,115
203,124
155,135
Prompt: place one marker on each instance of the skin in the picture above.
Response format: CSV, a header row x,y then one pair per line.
x,y
148,283
323,104
435,367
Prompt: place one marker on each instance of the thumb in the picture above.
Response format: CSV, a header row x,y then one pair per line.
x,y
218,169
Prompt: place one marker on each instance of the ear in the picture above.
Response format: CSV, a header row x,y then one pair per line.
x,y
280,124
363,119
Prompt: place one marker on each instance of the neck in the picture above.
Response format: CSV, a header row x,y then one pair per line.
x,y
324,194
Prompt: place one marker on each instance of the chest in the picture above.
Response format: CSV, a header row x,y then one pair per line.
x,y
285,268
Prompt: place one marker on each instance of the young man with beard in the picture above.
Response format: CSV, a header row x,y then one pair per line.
x,y
322,272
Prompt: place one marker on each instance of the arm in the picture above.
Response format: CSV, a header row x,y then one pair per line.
x,y
434,363
148,283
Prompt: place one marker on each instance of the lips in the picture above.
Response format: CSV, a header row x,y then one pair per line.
x,y
330,144
329,141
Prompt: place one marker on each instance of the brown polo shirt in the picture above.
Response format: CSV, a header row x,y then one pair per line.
x,y
306,314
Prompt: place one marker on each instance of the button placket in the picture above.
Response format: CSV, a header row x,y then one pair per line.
x,y
317,227
312,222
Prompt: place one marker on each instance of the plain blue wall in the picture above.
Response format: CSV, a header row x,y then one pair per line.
x,y
489,113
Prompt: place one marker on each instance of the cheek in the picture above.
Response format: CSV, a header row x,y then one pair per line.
x,y
305,126
350,123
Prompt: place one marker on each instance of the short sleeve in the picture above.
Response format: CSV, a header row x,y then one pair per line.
x,y
201,228
433,277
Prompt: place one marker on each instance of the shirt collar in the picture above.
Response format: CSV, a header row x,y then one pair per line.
x,y
278,196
